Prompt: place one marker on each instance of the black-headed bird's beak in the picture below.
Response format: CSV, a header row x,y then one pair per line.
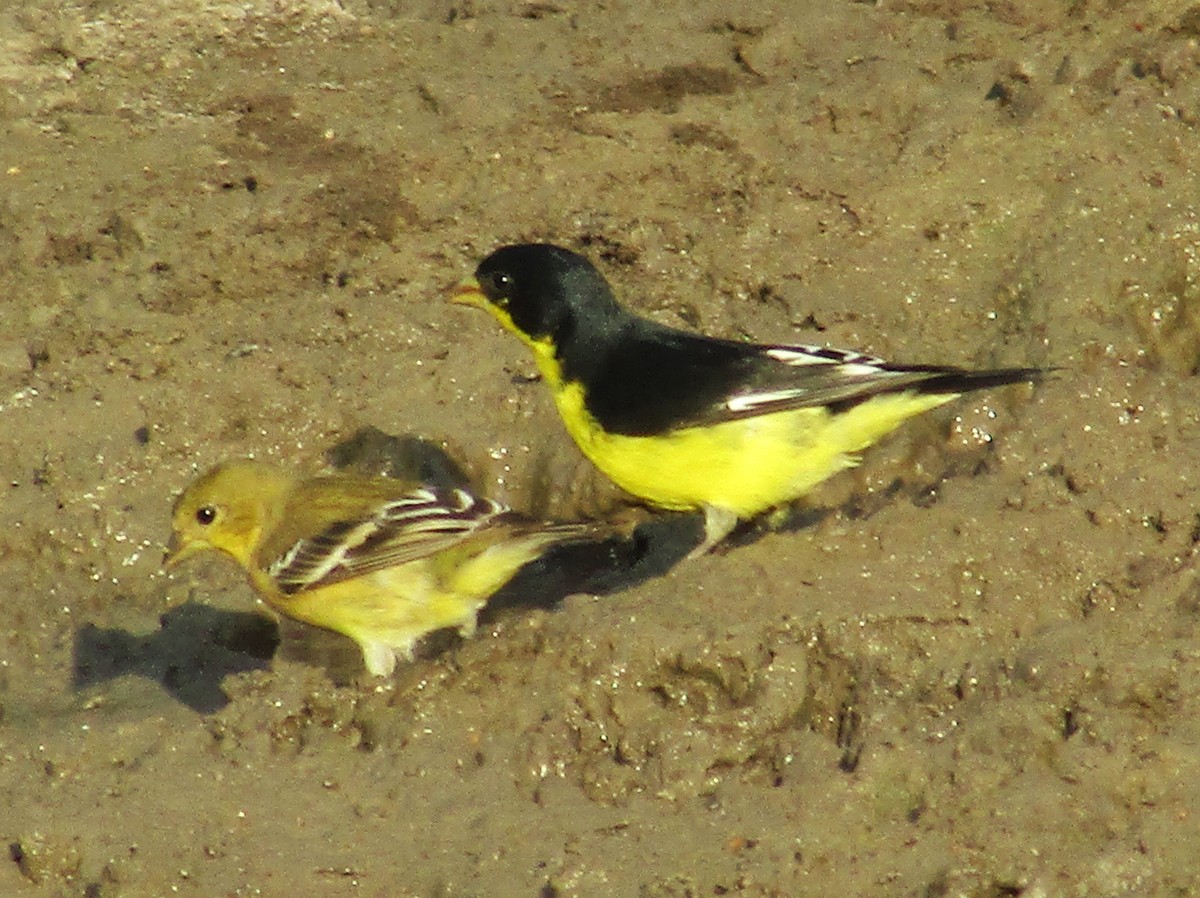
x,y
467,292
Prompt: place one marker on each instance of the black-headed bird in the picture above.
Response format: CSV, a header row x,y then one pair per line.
x,y
376,559
689,422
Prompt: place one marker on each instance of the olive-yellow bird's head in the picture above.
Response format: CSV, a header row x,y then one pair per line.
x,y
226,509
544,294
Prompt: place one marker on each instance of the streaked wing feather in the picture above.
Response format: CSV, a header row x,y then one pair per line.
x,y
421,524
814,376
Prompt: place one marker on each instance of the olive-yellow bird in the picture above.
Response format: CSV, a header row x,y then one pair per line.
x,y
376,559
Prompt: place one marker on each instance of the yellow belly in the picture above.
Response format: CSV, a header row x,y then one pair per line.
x,y
745,466
398,605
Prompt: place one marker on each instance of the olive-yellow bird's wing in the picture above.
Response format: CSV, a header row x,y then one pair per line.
x,y
420,524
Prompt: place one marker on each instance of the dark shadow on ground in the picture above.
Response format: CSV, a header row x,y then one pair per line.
x,y
372,453
599,568
195,649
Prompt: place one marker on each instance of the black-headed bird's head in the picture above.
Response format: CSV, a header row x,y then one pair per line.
x,y
225,509
546,295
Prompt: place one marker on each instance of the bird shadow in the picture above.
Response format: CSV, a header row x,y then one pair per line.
x,y
371,452
620,563
602,567
194,649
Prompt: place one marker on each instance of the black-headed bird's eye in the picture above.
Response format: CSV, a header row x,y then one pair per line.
x,y
206,515
498,285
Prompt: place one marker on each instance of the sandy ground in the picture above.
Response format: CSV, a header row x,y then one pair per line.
x,y
228,229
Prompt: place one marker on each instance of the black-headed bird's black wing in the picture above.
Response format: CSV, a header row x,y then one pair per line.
x,y
658,379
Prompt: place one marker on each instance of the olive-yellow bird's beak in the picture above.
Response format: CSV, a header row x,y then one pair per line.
x,y
180,550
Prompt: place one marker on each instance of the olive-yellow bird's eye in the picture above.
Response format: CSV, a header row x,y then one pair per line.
x,y
206,515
